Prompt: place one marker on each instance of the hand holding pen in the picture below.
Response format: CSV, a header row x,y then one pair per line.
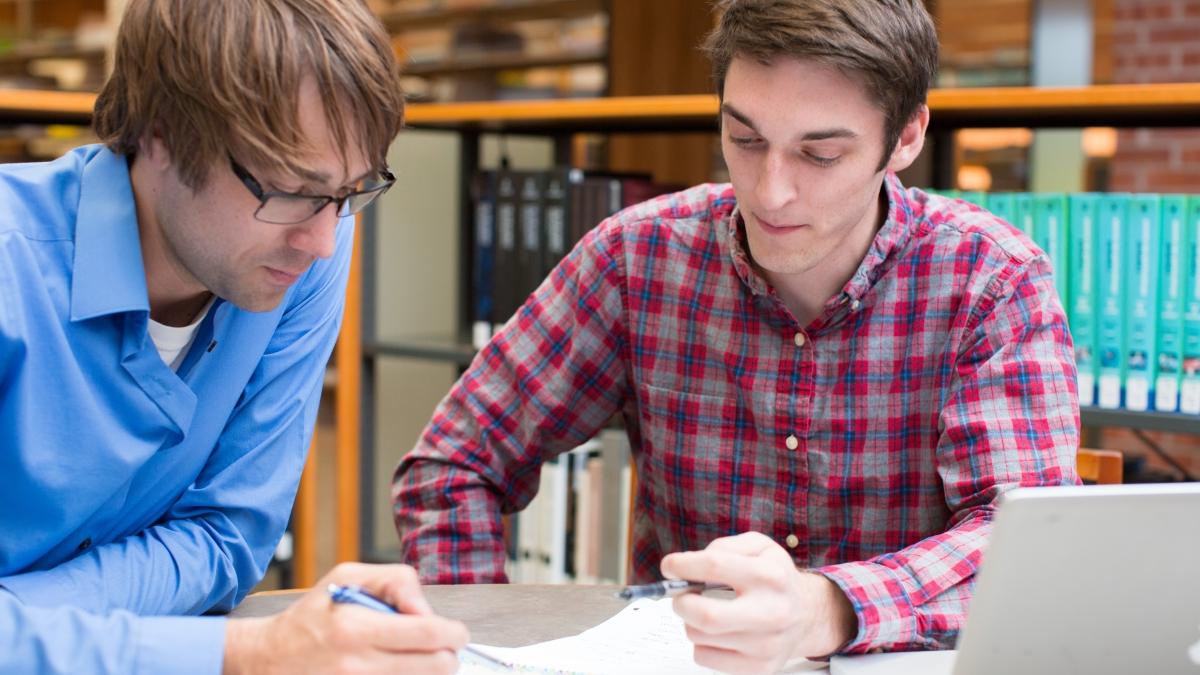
x,y
312,635
354,595
668,588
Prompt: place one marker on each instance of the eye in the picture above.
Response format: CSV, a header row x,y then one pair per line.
x,y
745,141
821,160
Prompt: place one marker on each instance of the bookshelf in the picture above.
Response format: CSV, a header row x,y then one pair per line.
x,y
513,10
489,49
1114,105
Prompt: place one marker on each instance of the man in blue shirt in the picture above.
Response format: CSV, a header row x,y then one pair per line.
x,y
168,302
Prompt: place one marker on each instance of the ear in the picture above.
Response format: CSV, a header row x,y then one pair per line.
x,y
153,150
911,141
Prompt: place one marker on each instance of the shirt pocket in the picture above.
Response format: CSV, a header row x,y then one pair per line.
x,y
685,464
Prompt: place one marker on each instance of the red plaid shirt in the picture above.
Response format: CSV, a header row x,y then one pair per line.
x,y
880,435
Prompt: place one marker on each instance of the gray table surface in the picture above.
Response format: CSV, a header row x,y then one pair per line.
x,y
505,615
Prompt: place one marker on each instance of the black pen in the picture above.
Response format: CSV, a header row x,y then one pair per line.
x,y
355,595
668,588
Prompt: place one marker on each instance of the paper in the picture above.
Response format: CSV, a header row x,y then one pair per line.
x,y
895,663
645,637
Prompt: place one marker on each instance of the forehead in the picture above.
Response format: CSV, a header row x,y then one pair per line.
x,y
332,163
790,95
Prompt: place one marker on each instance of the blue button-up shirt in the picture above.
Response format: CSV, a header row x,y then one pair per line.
x,y
128,490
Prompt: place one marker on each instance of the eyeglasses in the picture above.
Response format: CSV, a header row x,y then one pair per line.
x,y
289,208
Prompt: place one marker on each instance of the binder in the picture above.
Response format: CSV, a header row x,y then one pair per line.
x,y
483,192
1189,387
1110,266
1082,317
1141,298
1050,232
1170,304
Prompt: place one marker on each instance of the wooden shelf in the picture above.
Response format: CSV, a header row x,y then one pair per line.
x,y
18,57
1107,105
494,62
444,349
398,22
46,107
1101,105
1179,423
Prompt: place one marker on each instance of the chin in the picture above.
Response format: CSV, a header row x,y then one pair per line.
x,y
256,302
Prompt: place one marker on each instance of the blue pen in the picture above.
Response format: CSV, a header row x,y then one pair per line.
x,y
355,595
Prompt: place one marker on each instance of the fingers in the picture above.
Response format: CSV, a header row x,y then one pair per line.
x,y
746,543
736,570
397,632
440,663
398,585
728,661
749,613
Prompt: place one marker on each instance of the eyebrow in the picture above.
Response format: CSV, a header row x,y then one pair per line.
x,y
315,178
815,135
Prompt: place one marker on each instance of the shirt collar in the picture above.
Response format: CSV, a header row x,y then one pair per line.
x,y
892,237
108,275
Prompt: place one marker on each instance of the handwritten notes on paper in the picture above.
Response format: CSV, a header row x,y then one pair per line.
x,y
645,637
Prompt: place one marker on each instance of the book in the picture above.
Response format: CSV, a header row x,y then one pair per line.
x,y
1110,285
505,277
556,235
1189,386
1082,317
1050,232
1003,205
1023,203
1169,349
975,197
530,267
483,194
1141,298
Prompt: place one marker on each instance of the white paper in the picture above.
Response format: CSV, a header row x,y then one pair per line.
x,y
645,637
895,663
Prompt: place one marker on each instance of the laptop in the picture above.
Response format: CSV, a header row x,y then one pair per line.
x,y
1078,579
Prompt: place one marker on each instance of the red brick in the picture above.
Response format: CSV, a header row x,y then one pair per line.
x,y
1144,9
1173,181
1180,33
1141,157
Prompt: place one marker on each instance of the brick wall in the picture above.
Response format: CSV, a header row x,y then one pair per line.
x,y
1156,41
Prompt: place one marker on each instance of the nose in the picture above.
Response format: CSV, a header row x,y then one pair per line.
x,y
775,188
315,236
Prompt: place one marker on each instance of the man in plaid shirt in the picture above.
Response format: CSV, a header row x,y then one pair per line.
x,y
828,379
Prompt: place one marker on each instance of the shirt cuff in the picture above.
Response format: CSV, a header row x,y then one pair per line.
x,y
191,645
886,616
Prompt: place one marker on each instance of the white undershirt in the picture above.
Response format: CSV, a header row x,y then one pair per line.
x,y
173,342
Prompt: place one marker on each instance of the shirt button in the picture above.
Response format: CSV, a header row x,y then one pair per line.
x,y
800,339
793,541
855,305
85,544
792,442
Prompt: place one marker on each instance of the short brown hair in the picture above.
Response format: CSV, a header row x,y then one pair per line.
x,y
214,77
890,46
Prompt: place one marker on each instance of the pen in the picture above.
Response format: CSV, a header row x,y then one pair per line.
x,y
668,588
355,595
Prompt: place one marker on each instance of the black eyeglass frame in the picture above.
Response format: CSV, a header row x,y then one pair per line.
x,y
320,201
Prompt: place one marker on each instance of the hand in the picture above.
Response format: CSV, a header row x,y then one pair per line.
x,y
779,613
317,635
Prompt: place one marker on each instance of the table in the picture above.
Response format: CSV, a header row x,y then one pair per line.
x,y
504,615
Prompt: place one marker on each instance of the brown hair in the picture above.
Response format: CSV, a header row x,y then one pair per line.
x,y
890,46
214,77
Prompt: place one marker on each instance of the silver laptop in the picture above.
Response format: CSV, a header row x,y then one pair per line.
x,y
1089,579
